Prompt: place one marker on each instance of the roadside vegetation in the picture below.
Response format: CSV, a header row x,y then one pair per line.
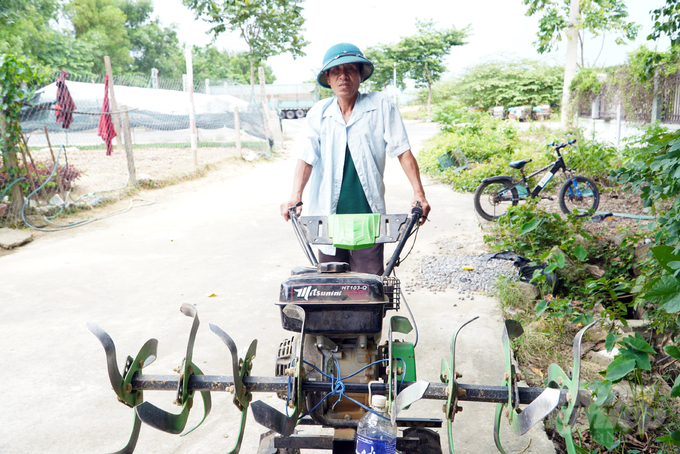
x,y
627,279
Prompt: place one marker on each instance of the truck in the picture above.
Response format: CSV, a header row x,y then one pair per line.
x,y
290,100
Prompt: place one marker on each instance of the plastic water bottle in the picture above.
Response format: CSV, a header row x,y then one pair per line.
x,y
376,435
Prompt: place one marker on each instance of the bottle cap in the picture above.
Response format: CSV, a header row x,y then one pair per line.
x,y
379,402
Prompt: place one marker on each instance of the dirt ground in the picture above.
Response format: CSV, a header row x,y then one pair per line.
x,y
107,173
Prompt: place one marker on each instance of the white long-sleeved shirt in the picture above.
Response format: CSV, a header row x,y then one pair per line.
x,y
374,131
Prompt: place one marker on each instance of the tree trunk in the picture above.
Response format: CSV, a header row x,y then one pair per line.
x,y
16,197
570,64
252,82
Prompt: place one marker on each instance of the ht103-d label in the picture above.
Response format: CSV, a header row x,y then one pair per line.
x,y
331,292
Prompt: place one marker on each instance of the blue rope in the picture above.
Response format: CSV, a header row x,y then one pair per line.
x,y
338,387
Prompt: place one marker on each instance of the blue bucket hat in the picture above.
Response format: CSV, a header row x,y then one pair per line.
x,y
341,54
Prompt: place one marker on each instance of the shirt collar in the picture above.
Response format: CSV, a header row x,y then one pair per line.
x,y
363,104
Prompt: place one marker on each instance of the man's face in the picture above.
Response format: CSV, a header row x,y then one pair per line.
x,y
344,80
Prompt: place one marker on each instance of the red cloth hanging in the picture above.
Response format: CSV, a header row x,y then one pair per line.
x,y
106,131
65,105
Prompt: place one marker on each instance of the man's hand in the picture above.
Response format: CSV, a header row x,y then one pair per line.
x,y
424,205
286,205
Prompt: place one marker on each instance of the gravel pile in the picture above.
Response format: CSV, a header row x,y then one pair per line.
x,y
459,269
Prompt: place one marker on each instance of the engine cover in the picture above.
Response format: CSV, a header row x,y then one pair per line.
x,y
336,302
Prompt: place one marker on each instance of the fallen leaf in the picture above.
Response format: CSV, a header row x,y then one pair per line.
x,y
211,295
538,372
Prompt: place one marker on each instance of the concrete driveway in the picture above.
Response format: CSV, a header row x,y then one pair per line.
x,y
220,235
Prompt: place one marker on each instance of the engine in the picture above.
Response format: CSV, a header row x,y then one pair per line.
x,y
344,314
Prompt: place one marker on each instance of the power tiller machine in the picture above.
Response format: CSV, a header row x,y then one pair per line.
x,y
336,319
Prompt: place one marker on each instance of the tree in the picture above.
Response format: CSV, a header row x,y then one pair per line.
x,y
269,27
421,56
17,77
575,17
25,27
152,45
213,63
101,24
666,22
509,83
383,58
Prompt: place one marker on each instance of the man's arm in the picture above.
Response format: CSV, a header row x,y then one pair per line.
x,y
302,173
410,165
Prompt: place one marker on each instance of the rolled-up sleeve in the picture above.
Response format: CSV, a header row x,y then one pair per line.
x,y
308,143
396,139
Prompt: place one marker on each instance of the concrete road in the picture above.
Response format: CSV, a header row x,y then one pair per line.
x,y
221,235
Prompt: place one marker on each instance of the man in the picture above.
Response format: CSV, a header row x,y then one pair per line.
x,y
342,149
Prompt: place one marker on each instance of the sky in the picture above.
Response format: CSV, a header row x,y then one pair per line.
x,y
500,29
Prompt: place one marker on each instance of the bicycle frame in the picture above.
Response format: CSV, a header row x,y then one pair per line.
x,y
556,166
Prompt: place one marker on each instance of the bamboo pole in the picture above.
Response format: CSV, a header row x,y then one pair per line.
x,y
132,174
37,175
54,163
265,115
192,109
237,129
114,104
28,169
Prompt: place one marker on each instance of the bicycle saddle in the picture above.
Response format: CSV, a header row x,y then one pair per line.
x,y
519,164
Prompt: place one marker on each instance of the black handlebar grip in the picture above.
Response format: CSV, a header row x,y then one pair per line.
x,y
417,210
572,141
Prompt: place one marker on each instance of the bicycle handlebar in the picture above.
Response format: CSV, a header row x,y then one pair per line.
x,y
559,146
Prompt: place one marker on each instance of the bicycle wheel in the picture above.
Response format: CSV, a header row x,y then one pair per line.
x,y
579,197
492,199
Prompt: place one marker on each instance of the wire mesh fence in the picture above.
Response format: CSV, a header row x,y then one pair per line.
x,y
159,115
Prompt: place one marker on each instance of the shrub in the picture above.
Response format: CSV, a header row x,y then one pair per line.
x,y
67,176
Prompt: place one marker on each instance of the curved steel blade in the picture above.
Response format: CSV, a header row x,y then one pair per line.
x,y
110,349
207,404
228,341
452,399
537,410
134,436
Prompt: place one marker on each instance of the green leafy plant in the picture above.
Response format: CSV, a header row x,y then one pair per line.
x,y
17,80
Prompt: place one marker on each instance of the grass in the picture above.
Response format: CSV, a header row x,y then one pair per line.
x,y
546,340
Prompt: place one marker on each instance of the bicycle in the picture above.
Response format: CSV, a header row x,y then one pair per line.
x,y
578,194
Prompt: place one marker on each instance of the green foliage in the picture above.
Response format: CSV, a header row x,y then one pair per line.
x,y
269,27
152,45
632,84
653,169
586,82
101,24
594,157
530,231
488,144
25,26
666,21
422,55
596,16
383,58
442,91
123,29
213,63
17,80
509,83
